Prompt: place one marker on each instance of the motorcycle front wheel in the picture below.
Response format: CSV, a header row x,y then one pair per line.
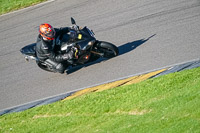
x,y
109,50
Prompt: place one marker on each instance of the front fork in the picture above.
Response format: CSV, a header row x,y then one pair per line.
x,y
95,49
100,54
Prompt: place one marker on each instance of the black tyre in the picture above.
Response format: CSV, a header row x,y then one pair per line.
x,y
109,50
45,67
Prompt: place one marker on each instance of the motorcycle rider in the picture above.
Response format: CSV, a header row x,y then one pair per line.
x,y
46,47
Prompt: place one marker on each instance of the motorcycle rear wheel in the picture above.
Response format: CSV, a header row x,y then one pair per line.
x,y
44,67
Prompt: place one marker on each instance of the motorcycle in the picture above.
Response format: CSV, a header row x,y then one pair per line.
x,y
88,48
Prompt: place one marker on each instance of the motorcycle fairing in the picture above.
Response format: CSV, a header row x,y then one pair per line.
x,y
29,49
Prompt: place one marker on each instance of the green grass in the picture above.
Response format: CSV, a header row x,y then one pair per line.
x,y
167,104
12,5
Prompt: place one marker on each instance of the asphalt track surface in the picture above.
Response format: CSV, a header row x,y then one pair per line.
x,y
150,34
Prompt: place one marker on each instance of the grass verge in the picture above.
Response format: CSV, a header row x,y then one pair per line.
x,y
12,5
168,103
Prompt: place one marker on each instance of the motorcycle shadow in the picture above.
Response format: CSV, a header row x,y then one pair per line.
x,y
123,49
76,68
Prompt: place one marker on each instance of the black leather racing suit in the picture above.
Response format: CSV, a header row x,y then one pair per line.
x,y
46,51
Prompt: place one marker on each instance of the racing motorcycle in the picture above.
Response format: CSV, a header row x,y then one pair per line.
x,y
88,48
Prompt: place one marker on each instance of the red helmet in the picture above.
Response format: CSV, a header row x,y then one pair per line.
x,y
47,31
